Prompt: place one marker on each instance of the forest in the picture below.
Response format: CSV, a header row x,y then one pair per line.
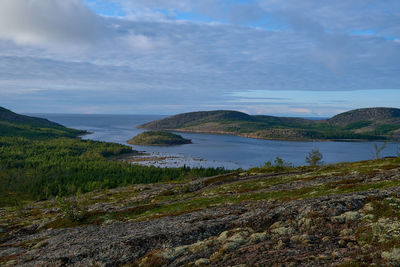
x,y
38,169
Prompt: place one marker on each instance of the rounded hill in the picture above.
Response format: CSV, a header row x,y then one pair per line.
x,y
158,138
361,124
366,114
195,118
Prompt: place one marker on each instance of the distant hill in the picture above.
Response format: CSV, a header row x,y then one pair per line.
x,y
186,119
373,115
361,124
16,125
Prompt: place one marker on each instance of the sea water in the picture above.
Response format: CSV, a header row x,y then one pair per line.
x,y
209,150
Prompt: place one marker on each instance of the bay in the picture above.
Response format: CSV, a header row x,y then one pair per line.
x,y
210,150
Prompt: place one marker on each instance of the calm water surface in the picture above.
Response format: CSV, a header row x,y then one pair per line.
x,y
216,150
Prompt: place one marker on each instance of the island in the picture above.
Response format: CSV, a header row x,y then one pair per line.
x,y
359,124
158,138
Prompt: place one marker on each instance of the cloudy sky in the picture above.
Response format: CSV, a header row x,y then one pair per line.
x,y
279,57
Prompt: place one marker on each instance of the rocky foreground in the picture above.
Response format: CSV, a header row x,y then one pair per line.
x,y
346,215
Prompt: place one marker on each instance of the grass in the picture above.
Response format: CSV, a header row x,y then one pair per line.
x,y
220,179
248,186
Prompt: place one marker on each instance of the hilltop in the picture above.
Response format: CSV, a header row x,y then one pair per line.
x,y
361,124
372,115
13,124
158,138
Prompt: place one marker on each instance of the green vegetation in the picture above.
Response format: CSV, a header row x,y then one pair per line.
x,y
366,124
72,211
227,189
82,183
40,159
12,124
236,192
227,195
385,129
378,149
378,232
279,165
158,138
357,125
39,169
314,158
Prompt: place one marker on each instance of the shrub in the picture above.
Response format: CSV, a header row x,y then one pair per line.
x,y
378,149
72,211
280,163
314,158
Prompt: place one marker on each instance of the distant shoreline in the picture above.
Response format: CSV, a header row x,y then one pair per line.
x,y
275,139
369,124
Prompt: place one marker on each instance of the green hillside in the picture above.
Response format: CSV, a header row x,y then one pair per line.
x,y
362,124
40,159
13,124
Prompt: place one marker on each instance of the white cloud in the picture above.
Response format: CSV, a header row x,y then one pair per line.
x,y
139,42
48,21
155,59
339,15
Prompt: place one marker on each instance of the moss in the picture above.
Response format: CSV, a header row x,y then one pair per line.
x,y
9,259
258,237
388,208
248,186
284,195
392,256
353,264
151,259
100,217
219,179
379,232
176,197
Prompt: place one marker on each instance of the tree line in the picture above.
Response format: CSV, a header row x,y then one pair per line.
x,y
41,169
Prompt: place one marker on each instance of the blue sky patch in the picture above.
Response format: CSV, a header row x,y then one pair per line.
x,y
105,8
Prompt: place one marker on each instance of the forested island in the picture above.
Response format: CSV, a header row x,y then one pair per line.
x,y
158,138
360,124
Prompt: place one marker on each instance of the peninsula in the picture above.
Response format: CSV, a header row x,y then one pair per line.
x,y
17,125
359,124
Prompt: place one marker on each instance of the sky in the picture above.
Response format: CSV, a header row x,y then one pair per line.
x,y
304,58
